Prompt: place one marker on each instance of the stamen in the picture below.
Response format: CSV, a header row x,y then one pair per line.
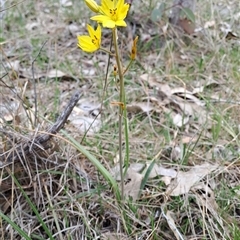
x,y
113,11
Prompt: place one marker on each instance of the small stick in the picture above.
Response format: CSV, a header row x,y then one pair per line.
x,y
61,120
9,157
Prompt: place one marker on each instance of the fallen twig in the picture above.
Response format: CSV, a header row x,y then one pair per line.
x,y
37,142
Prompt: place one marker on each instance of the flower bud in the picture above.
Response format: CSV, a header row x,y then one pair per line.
x,y
92,5
134,48
115,70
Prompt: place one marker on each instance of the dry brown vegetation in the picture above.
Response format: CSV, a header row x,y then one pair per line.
x,y
183,112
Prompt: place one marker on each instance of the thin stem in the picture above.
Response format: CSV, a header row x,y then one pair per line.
x,y
126,125
107,51
128,66
126,135
104,89
122,100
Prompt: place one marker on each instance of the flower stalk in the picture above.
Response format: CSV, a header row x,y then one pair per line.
x,y
111,14
121,107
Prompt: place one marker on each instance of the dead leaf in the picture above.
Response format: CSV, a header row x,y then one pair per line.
x,y
191,98
73,29
83,124
190,109
133,183
13,65
201,86
137,167
167,180
181,104
176,153
205,198
189,139
209,24
154,81
89,72
9,107
165,174
165,88
225,27
159,171
187,26
186,180
83,117
180,120
53,73
140,107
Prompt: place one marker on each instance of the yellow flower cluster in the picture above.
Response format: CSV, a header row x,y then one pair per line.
x,y
111,14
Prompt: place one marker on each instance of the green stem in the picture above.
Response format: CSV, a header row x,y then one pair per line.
x,y
126,135
130,63
121,100
106,51
126,124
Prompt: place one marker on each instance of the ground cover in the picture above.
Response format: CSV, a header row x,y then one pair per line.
x,y
183,114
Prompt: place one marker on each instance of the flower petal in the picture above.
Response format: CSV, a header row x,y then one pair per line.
x,y
109,24
100,18
85,43
105,20
120,4
122,13
121,23
105,6
99,34
90,29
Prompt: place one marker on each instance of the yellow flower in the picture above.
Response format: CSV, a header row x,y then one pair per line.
x,y
92,5
92,42
113,14
134,48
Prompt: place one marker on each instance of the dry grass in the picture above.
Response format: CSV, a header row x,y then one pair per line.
x,y
58,193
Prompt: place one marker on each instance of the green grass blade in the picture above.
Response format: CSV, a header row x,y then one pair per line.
x,y
15,226
146,176
106,174
34,209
